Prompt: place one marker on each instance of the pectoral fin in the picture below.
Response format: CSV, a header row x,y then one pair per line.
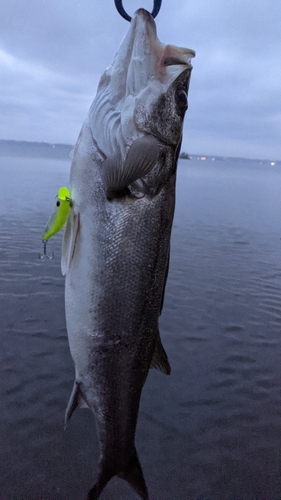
x,y
69,241
140,159
160,358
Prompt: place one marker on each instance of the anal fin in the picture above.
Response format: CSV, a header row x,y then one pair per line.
x,y
76,400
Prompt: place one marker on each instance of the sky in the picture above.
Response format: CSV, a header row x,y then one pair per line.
x,y
53,52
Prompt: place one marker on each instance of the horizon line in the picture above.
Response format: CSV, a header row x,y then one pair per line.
x,y
207,156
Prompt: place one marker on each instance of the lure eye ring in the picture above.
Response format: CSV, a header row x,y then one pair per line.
x,y
123,13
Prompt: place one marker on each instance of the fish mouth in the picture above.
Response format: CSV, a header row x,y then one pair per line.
x,y
142,70
142,56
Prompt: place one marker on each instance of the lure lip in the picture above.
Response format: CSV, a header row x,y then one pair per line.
x,y
64,194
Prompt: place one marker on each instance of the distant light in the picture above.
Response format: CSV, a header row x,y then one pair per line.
x,y
213,159
203,158
272,163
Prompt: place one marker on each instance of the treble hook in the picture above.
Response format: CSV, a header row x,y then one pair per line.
x,y
123,13
44,255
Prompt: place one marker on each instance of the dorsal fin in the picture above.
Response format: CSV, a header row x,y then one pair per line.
x,y
160,358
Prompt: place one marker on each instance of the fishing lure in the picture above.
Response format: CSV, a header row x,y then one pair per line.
x,y
57,218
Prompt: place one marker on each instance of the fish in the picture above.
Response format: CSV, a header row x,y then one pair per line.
x,y
116,244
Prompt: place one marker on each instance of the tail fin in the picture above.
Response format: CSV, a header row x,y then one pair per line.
x,y
132,474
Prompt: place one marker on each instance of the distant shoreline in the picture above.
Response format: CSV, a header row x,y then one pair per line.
x,y
62,152
35,149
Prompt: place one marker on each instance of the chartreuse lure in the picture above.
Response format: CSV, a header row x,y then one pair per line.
x,y
57,218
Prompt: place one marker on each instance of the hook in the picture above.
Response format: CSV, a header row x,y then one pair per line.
x,y
44,255
123,13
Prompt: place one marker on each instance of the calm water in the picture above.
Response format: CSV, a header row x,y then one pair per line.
x,y
212,430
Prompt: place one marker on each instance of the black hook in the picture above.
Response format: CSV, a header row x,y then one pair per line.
x,y
123,13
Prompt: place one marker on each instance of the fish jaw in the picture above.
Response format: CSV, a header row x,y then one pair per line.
x,y
142,70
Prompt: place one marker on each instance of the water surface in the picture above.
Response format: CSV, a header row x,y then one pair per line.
x,y
212,430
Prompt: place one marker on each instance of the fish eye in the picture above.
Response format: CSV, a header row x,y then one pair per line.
x,y
181,99
58,203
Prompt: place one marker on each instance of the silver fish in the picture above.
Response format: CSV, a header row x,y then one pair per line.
x,y
115,253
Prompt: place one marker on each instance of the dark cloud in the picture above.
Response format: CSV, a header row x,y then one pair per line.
x,y
53,52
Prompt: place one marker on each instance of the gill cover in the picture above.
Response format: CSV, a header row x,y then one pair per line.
x,y
59,214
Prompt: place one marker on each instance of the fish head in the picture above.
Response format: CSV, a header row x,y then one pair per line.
x,y
162,115
144,91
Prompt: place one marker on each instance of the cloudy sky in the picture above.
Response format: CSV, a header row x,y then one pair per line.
x,y
52,53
